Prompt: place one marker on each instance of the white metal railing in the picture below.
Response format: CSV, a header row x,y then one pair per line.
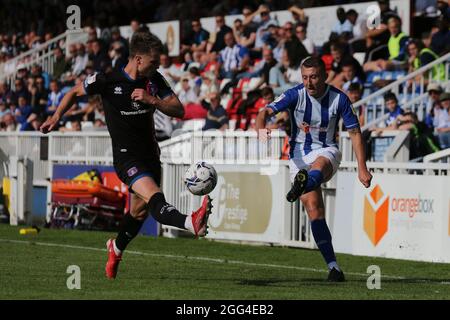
x,y
442,156
373,104
61,147
389,145
41,55
230,147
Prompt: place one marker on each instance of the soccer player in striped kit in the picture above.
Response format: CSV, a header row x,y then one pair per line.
x,y
315,109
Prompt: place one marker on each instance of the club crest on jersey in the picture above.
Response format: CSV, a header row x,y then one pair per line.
x,y
135,105
151,88
305,127
132,171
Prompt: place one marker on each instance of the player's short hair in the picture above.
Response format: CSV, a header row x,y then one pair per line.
x,y
144,43
313,62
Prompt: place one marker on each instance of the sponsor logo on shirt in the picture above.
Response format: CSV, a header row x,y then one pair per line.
x,y
118,90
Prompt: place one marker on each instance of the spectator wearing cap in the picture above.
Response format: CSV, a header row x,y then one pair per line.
x,y
54,98
434,106
216,118
443,121
187,94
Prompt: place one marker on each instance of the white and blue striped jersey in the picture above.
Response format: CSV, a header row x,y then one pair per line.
x,y
314,122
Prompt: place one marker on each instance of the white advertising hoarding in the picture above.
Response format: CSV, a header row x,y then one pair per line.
x,y
399,216
248,204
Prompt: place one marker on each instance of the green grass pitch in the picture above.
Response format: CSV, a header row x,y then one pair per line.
x,y
34,267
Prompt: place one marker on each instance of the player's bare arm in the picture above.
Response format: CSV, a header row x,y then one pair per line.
x,y
358,145
170,105
261,130
65,105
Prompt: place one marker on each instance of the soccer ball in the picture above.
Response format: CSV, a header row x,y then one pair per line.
x,y
200,178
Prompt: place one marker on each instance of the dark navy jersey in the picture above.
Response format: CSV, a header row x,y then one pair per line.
x,y
130,123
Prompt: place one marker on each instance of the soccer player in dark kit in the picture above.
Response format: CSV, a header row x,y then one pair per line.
x,y
130,97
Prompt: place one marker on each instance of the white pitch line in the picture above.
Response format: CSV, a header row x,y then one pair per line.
x,y
216,260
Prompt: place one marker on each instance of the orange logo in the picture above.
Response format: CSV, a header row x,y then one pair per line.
x,y
376,213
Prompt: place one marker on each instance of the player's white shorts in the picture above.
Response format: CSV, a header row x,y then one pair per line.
x,y
299,161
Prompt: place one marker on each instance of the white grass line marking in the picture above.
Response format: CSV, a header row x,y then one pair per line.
x,y
216,260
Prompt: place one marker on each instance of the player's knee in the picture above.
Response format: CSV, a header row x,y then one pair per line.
x,y
315,210
140,214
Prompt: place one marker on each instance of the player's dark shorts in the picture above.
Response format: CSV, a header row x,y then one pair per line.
x,y
130,169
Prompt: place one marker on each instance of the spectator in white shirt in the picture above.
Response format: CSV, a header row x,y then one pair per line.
x,y
169,70
187,94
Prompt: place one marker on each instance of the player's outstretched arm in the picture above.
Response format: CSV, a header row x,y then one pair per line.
x,y
358,146
66,103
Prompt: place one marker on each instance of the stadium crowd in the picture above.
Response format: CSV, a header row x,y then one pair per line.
x,y
223,79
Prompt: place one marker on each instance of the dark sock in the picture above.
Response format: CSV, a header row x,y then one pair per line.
x,y
165,213
315,178
322,236
129,229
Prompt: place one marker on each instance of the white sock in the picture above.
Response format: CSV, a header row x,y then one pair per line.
x,y
116,250
333,264
188,224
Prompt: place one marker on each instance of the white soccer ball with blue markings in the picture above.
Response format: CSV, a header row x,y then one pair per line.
x,y
200,178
